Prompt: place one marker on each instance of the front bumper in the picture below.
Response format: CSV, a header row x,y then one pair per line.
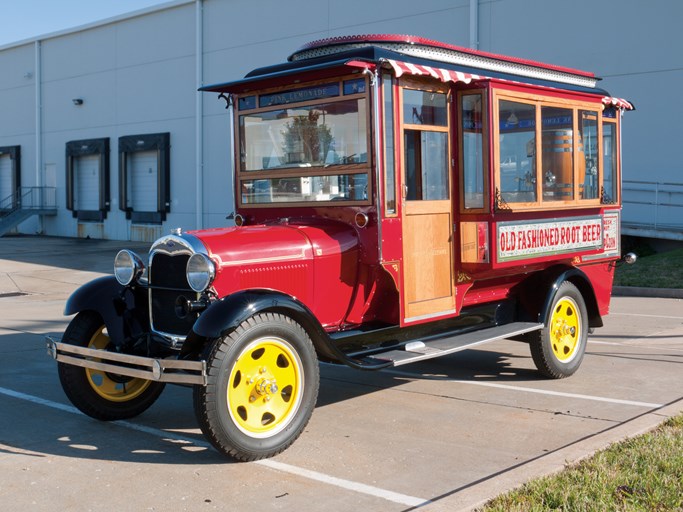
x,y
159,370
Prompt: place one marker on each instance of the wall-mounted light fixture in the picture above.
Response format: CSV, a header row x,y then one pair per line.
x,y
77,101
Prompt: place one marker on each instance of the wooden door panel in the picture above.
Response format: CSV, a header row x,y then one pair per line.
x,y
427,263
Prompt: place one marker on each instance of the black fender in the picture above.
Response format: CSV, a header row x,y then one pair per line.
x,y
226,314
537,294
123,309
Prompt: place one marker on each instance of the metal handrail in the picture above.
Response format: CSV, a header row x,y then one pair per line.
x,y
29,198
673,198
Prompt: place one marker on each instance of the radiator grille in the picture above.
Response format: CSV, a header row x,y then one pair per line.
x,y
167,282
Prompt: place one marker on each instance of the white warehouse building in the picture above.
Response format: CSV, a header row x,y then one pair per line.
x,y
105,122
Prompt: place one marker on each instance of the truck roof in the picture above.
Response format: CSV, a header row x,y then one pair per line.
x,y
329,56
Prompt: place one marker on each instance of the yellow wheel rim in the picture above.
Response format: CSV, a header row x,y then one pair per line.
x,y
114,388
565,329
265,387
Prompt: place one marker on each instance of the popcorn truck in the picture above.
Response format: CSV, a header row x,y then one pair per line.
x,y
396,199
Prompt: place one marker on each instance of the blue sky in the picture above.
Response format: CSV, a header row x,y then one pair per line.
x,y
24,19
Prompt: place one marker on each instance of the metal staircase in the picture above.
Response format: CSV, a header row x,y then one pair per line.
x,y
24,203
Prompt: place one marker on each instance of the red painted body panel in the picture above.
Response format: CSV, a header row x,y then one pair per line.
x,y
601,276
316,264
349,276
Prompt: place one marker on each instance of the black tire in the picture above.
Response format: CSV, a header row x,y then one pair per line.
x,y
262,385
558,348
101,395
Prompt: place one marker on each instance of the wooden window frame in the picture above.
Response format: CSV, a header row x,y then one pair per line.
x,y
426,86
294,172
616,121
539,101
486,144
389,86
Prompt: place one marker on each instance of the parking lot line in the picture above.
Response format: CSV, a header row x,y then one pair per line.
x,y
529,390
401,499
644,315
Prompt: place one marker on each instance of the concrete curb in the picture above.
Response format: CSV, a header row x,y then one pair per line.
x,y
476,496
639,291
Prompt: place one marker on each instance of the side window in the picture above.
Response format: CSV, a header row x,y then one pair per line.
x,y
425,118
472,151
547,153
610,158
389,146
87,179
144,177
557,153
589,177
517,149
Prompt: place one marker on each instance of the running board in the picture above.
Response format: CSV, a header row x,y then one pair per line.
x,y
419,351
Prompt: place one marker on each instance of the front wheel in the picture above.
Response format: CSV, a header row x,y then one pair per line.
x,y
262,385
102,395
558,348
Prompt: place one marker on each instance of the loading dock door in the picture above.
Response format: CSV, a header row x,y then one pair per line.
x,y
6,180
143,181
87,178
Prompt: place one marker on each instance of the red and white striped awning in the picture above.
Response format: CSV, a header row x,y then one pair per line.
x,y
448,75
445,75
608,101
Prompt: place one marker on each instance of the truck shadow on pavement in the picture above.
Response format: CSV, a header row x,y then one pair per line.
x,y
38,422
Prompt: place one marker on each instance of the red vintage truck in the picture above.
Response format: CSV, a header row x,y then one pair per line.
x,y
396,199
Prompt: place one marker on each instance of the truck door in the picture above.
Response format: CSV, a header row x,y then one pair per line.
x,y
427,209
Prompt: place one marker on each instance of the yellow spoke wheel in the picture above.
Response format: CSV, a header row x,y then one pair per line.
x,y
115,388
565,328
558,348
102,395
261,387
264,388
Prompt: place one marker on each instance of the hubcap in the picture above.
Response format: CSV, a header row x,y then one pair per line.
x,y
265,387
114,388
565,329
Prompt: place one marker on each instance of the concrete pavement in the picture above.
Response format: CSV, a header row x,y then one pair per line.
x,y
446,434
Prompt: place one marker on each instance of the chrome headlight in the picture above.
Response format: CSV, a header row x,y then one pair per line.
x,y
200,272
128,267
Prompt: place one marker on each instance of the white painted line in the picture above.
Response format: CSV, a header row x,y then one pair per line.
x,y
531,390
639,343
644,315
370,490
345,484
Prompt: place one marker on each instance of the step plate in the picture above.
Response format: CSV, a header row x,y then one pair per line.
x,y
419,351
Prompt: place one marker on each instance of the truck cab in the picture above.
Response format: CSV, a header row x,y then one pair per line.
x,y
396,199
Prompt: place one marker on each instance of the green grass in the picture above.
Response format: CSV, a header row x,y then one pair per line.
x,y
662,270
644,473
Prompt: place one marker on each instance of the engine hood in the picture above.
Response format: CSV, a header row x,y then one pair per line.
x,y
254,244
279,243
315,263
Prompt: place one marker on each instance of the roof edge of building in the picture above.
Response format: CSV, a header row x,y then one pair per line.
x,y
99,23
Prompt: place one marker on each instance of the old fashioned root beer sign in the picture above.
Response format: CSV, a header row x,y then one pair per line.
x,y
533,239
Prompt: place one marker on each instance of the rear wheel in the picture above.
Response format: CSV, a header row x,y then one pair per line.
x,y
262,385
558,348
102,395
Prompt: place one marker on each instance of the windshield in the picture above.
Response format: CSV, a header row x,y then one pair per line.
x,y
304,145
307,136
